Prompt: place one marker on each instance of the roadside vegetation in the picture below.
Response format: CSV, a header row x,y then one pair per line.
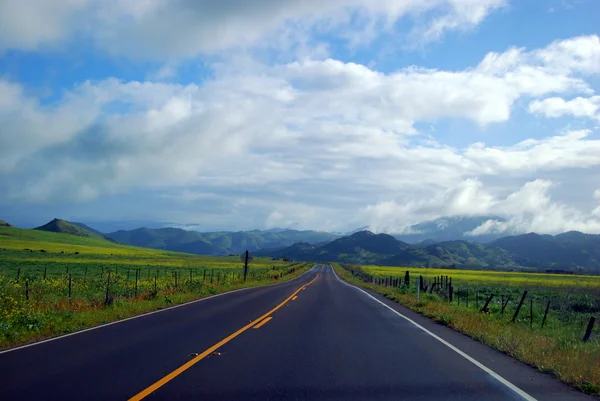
x,y
53,284
553,344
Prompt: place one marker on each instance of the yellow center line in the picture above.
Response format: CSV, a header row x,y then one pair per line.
x,y
295,297
262,323
144,393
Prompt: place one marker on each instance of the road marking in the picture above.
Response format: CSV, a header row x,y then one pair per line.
x,y
262,323
489,371
296,297
150,313
149,390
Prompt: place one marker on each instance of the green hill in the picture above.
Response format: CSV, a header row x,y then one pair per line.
x,y
4,224
572,251
65,227
217,243
569,251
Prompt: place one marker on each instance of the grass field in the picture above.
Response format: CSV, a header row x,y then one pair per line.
x,y
494,278
51,283
553,344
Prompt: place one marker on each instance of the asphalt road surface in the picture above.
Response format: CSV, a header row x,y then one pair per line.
x,y
312,338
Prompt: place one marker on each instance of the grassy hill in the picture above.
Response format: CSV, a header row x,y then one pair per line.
x,y
4,224
217,243
65,227
572,251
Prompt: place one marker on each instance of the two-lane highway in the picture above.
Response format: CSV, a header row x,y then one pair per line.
x,y
313,338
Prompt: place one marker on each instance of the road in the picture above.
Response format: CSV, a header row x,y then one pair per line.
x,y
312,338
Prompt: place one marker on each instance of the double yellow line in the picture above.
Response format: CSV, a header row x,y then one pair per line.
x,y
144,393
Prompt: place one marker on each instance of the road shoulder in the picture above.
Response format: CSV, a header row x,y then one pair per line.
x,y
538,384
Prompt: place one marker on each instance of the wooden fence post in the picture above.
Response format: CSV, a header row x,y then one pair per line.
x,y
504,305
545,313
107,289
18,273
588,331
531,312
514,318
406,278
487,302
26,290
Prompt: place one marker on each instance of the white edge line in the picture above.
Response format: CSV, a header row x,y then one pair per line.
x,y
149,313
489,371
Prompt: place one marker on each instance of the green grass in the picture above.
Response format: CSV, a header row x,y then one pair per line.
x,y
557,348
63,289
491,278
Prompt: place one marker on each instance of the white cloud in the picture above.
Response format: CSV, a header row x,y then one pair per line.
x,y
292,140
558,107
184,28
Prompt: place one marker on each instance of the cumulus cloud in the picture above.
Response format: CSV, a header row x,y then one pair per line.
x,y
530,208
558,107
185,28
308,141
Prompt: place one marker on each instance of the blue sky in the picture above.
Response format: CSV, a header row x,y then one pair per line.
x,y
313,115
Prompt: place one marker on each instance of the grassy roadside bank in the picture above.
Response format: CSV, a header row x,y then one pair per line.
x,y
573,362
30,322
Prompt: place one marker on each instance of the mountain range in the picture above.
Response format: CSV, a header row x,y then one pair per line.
x,y
571,251
216,243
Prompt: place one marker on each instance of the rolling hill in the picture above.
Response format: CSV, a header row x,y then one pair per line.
x,y
66,227
217,243
571,251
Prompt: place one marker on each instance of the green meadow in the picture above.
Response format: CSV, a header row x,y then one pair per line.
x,y
52,283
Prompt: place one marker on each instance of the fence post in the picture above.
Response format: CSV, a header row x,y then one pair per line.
x,y
487,302
26,290
531,312
18,273
545,313
588,331
107,289
407,278
504,305
212,272
519,306
450,293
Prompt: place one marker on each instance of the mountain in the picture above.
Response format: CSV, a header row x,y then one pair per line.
x,y
572,251
468,254
448,229
362,247
568,251
66,227
217,243
4,224
86,227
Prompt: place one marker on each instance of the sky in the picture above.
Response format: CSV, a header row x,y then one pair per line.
x,y
326,115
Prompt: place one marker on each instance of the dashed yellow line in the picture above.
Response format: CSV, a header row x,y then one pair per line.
x,y
262,323
149,390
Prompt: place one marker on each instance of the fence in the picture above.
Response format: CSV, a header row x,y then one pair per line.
x,y
521,306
